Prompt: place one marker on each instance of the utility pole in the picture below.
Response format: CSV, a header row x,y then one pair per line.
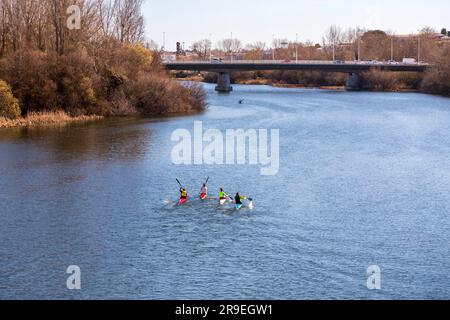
x,y
334,52
418,49
273,48
164,42
210,47
392,48
359,48
231,47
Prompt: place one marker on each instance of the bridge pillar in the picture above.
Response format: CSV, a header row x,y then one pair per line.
x,y
353,81
224,83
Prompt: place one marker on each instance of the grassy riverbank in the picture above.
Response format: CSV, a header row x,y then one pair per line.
x,y
45,119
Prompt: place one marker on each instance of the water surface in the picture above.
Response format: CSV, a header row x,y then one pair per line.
x,y
364,179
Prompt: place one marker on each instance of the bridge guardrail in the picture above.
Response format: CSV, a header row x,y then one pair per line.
x,y
269,62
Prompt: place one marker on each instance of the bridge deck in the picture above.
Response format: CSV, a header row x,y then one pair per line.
x,y
330,66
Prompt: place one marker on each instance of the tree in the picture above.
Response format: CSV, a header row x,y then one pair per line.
x,y
9,106
230,45
202,48
376,45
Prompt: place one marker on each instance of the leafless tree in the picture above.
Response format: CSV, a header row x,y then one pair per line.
x,y
202,48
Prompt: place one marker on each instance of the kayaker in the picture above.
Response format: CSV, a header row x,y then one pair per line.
x,y
238,199
204,191
223,195
184,193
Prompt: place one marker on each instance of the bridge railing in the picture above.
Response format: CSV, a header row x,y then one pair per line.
x,y
270,62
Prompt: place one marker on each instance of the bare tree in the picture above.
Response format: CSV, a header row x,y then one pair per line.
x,y
202,48
230,45
129,24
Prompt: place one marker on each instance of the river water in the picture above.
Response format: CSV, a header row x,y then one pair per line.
x,y
364,179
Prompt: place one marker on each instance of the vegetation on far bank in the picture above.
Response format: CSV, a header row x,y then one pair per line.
x,y
103,69
44,119
343,45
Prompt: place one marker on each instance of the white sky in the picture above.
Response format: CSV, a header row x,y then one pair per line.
x,y
258,20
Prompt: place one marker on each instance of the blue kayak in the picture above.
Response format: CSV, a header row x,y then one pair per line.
x,y
238,206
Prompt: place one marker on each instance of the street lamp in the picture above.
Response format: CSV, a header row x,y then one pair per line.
x,y
231,47
210,47
418,49
164,42
392,48
273,48
359,48
334,51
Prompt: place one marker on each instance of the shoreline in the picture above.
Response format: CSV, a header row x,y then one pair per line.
x,y
265,82
45,119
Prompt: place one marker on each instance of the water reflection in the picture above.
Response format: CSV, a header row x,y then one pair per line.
x,y
100,141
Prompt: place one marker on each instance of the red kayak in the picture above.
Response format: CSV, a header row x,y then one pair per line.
x,y
182,201
203,196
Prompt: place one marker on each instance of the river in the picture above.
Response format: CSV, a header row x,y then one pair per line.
x,y
364,179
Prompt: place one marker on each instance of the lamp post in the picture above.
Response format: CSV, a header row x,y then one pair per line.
x,y
273,48
231,48
392,48
334,51
359,48
164,42
418,49
210,47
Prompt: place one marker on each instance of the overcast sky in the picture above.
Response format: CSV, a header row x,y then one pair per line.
x,y
258,20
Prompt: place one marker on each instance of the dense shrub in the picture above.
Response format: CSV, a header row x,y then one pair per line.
x,y
30,75
437,79
116,80
9,106
379,80
307,78
156,95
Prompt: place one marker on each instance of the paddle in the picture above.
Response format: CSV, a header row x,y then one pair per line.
x,y
207,181
179,183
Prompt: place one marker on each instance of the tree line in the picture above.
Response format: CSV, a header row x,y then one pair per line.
x,y
97,65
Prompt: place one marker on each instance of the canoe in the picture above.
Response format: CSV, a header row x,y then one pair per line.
x,y
223,201
182,201
203,196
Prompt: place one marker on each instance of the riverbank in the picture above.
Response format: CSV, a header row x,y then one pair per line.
x,y
45,119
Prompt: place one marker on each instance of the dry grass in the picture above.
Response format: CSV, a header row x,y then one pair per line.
x,y
44,119
254,82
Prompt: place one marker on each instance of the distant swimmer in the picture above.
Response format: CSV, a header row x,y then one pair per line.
x,y
241,101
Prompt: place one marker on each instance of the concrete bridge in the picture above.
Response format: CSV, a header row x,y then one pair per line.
x,y
352,68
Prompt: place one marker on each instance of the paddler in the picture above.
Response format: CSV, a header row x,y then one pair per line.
x,y
238,199
223,195
184,193
204,191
